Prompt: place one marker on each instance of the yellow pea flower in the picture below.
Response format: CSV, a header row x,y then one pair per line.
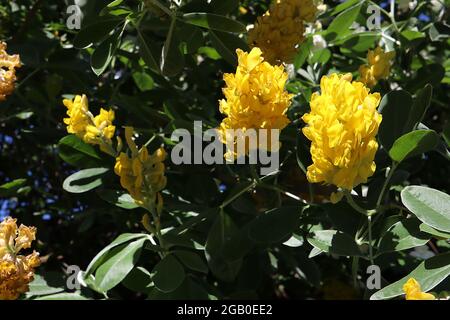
x,y
142,175
255,97
16,271
413,291
8,65
97,130
378,68
342,126
335,197
281,29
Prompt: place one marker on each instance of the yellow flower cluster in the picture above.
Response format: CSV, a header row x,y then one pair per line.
x,y
255,97
342,126
8,65
142,174
413,291
281,29
378,68
97,130
16,271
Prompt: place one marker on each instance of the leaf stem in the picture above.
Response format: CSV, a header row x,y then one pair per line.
x,y
162,7
369,227
254,174
237,195
391,17
355,266
355,206
386,183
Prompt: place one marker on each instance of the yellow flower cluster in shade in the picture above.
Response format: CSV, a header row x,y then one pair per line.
x,y
8,65
281,29
413,291
255,97
142,174
342,126
16,271
378,68
97,130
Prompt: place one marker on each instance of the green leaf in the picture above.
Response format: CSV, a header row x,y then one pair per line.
x,y
446,133
335,242
343,6
96,31
307,268
237,191
359,43
439,31
118,198
413,144
11,187
343,217
401,236
436,233
294,242
394,106
172,61
168,274
226,45
224,7
213,22
342,23
429,274
102,56
139,280
428,74
431,206
238,245
191,260
114,3
191,38
320,56
275,225
219,235
84,180
421,103
63,296
188,290
50,283
210,53
121,261
101,256
24,115
76,152
411,37
147,53
302,53
143,81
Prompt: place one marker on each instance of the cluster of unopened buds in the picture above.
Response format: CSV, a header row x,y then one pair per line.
x,y
8,65
16,271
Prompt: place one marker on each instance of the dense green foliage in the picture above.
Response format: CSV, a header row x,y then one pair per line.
x,y
226,233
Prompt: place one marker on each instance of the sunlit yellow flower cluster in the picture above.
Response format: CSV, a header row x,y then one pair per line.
x,y
8,65
378,67
16,271
142,174
97,130
281,29
255,96
342,126
413,291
